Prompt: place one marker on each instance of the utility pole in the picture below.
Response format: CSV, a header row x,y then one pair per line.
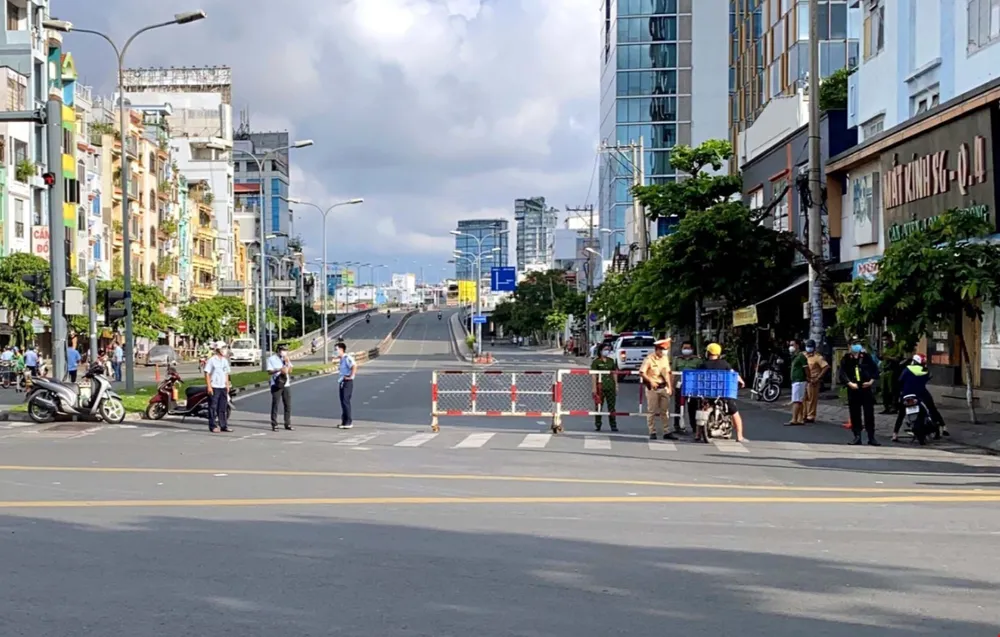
x,y
641,223
58,273
815,187
589,210
92,307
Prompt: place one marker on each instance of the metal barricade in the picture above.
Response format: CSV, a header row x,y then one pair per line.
x,y
574,395
491,393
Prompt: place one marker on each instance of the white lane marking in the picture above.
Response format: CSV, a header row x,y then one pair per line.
x,y
662,445
247,437
359,439
416,440
293,442
730,446
535,441
152,434
474,441
597,442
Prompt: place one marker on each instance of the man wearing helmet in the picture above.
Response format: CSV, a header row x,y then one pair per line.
x,y
913,381
716,362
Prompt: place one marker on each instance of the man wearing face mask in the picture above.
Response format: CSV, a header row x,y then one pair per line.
x,y
687,360
658,379
605,387
800,377
859,373
817,370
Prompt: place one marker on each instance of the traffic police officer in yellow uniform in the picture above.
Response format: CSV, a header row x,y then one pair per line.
x,y
658,380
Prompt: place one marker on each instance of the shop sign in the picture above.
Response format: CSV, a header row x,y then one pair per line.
x,y
40,241
745,316
866,269
943,169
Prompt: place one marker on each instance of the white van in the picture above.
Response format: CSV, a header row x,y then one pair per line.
x,y
244,351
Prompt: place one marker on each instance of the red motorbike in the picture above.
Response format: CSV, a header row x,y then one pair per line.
x,y
164,402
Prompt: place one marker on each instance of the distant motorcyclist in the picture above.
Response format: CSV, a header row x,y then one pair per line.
x,y
913,382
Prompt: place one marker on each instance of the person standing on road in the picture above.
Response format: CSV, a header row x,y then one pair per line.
x,y
859,373
687,360
348,369
800,378
117,359
218,382
72,362
817,370
280,369
605,388
31,360
658,379
890,368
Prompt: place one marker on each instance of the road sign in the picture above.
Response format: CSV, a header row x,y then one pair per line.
x,y
242,327
593,317
503,279
479,319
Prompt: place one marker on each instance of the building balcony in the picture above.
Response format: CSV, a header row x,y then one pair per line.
x,y
203,292
231,287
203,262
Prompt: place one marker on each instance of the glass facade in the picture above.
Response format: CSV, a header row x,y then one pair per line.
x,y
645,95
536,231
489,232
769,51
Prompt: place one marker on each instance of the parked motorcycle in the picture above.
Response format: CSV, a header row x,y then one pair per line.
x,y
50,398
164,401
767,381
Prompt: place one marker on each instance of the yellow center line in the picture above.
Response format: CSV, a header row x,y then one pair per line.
x,y
88,504
501,478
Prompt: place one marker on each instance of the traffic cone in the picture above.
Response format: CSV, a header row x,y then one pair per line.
x,y
847,425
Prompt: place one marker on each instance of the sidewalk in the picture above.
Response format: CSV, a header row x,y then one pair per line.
x,y
983,435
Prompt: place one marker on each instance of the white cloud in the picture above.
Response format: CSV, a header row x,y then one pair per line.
x,y
432,110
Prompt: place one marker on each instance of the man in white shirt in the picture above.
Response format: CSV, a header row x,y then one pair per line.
x,y
280,369
217,380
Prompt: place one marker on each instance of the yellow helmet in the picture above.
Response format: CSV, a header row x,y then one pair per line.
x,y
714,349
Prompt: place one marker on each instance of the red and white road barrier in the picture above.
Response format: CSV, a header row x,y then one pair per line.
x,y
491,393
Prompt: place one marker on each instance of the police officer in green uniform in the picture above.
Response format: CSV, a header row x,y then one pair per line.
x,y
605,387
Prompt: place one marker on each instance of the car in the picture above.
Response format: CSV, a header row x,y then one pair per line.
x,y
244,351
161,355
631,349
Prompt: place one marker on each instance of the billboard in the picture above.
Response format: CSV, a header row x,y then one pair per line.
x,y
466,291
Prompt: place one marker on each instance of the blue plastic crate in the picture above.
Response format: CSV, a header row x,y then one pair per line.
x,y
709,383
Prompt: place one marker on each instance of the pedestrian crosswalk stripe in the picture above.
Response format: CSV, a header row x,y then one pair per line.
x,y
597,442
416,440
360,439
665,445
730,446
474,441
535,441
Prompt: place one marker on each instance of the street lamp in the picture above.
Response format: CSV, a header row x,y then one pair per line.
x,y
479,273
324,263
64,26
265,199
325,212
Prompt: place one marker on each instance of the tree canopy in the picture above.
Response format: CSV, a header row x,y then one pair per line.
x,y
539,301
701,191
214,318
148,317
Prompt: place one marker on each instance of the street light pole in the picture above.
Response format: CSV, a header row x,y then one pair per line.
x,y
478,269
325,213
67,27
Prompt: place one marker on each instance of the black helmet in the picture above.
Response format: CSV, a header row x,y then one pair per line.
x,y
282,347
96,368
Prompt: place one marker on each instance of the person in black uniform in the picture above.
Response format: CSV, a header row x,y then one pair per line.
x,y
859,373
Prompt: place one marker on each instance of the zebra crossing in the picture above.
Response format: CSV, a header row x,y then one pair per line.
x,y
469,442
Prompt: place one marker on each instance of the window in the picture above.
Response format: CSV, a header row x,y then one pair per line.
x,y
19,151
782,218
984,23
647,56
81,219
16,95
838,21
647,83
874,30
14,16
655,29
756,199
19,218
925,100
646,7
872,127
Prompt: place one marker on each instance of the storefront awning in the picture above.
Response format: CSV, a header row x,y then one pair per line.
x,y
802,280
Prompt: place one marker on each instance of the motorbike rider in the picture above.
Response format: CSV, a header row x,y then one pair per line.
x,y
715,361
913,382
687,360
315,344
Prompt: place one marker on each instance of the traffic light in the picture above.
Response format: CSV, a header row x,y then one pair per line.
x,y
112,314
49,179
36,287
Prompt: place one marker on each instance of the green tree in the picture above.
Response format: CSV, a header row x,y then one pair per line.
x,y
614,300
20,311
701,190
833,90
215,318
538,296
927,279
314,320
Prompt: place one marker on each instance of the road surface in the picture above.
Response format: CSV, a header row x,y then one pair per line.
x,y
490,528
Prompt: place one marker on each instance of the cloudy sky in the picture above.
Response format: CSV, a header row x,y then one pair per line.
x,y
432,110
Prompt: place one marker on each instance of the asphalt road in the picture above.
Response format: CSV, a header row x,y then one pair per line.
x,y
390,530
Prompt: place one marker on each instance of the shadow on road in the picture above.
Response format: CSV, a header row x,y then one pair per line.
x,y
326,576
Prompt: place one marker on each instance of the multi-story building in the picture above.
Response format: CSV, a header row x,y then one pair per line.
x,y
25,60
201,135
94,254
274,180
769,52
204,262
485,235
536,224
662,84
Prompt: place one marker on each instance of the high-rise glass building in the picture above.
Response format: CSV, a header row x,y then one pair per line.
x,y
491,233
663,79
769,51
536,229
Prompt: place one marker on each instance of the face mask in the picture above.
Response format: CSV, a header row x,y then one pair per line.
x,y
687,352
606,353
810,349
791,350
856,349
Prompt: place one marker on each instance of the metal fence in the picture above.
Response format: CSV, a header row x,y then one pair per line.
x,y
491,393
